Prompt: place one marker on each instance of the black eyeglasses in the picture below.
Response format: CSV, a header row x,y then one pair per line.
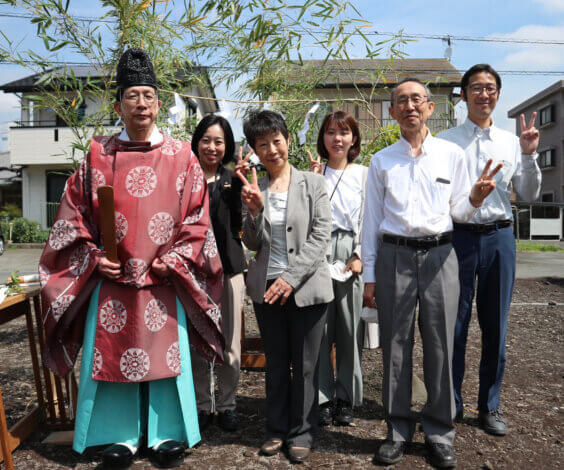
x,y
477,89
417,100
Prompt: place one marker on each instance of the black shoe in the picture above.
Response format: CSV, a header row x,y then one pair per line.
x,y
117,457
204,419
326,414
169,454
390,452
459,418
441,455
344,413
227,420
493,423
298,454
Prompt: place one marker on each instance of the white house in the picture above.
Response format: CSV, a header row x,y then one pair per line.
x,y
41,142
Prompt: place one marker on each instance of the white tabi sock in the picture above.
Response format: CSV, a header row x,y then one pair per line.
x,y
155,447
132,448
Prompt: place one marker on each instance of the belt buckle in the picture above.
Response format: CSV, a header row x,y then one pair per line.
x,y
432,241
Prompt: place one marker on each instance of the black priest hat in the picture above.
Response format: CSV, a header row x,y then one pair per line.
x,y
135,68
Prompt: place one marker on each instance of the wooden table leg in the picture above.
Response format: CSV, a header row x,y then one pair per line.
x,y
4,437
47,374
34,361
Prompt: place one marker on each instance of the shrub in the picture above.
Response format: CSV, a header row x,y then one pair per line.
x,y
11,211
26,231
4,225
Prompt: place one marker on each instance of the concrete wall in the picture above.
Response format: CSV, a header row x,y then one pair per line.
x,y
551,136
37,145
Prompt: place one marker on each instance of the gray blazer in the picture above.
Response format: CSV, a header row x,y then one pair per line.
x,y
308,234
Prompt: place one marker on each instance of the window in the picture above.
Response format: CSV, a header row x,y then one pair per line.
x,y
81,111
547,115
56,181
547,158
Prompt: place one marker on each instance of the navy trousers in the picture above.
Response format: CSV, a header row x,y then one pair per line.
x,y
489,257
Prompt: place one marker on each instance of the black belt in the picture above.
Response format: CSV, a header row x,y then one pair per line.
x,y
419,243
481,228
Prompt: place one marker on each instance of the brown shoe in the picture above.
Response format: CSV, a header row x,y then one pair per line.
x,y
298,454
271,446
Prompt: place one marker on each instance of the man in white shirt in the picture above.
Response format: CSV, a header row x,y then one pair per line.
x,y
486,246
414,189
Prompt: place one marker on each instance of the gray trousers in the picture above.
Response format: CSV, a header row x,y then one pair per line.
x,y
344,328
405,277
232,299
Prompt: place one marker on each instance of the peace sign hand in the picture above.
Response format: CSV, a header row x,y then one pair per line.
x,y
314,165
484,185
529,139
243,165
250,192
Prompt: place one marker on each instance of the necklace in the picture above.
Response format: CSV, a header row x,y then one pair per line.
x,y
278,184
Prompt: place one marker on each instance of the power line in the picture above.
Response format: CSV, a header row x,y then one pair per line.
x,y
446,36
437,71
76,18
467,38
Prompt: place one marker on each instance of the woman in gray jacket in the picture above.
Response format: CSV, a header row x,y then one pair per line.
x,y
288,224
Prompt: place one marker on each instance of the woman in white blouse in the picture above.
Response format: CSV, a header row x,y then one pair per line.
x,y
339,144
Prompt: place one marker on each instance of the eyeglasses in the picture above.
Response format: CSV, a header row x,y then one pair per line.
x,y
417,100
134,99
477,89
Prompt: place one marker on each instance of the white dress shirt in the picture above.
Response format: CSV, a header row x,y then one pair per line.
x,y
479,146
413,196
155,138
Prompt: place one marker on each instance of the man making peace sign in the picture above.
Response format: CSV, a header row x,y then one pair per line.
x,y
486,246
415,189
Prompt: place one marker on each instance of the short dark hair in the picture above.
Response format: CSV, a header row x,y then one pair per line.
x,y
343,121
409,79
261,123
204,125
477,69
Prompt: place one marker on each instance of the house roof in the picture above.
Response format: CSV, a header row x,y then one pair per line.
x,y
381,73
29,83
82,72
514,112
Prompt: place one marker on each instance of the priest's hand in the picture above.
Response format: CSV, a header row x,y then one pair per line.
x,y
159,268
109,269
485,185
250,193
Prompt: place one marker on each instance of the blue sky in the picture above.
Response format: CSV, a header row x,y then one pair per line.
x,y
536,19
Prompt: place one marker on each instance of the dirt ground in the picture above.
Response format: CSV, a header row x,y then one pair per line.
x,y
531,398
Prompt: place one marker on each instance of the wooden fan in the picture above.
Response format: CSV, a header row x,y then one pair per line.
x,y
108,221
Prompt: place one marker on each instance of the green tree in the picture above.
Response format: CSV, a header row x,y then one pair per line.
x,y
253,47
